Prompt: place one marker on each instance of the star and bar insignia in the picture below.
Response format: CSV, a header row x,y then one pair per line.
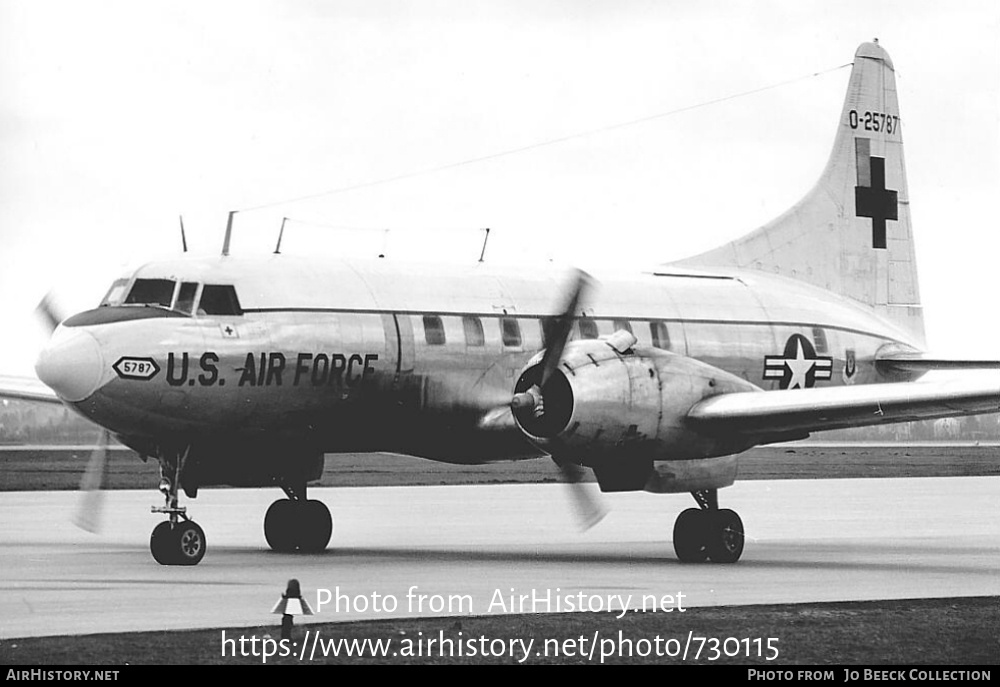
x,y
798,367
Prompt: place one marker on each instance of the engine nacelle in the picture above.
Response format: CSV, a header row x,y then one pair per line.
x,y
612,403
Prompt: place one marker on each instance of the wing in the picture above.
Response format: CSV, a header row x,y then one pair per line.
x,y
799,411
26,389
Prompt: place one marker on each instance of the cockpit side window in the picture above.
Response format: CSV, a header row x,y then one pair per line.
x,y
116,294
152,292
219,299
186,296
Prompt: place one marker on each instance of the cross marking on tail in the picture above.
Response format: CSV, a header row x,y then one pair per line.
x,y
876,201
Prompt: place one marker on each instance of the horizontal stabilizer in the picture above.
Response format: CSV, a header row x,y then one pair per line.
x,y
798,411
923,362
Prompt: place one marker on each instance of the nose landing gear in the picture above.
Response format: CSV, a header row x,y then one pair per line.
x,y
179,540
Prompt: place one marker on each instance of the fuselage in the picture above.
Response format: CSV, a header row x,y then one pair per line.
x,y
383,356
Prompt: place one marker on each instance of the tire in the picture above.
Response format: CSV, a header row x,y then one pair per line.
x,y
315,526
690,536
726,537
161,544
190,543
280,524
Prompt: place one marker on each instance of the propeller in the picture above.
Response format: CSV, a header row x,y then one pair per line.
x,y
588,507
556,338
48,312
563,325
90,504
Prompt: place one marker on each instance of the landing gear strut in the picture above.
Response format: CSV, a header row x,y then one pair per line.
x,y
179,540
708,532
298,523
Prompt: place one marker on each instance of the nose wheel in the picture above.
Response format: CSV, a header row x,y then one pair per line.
x,y
708,533
182,543
178,540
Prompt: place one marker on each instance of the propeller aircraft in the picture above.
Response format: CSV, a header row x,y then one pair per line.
x,y
246,371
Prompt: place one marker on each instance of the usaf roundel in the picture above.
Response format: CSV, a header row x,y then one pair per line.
x,y
136,368
798,367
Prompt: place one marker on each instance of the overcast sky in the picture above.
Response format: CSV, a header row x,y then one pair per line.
x,y
116,117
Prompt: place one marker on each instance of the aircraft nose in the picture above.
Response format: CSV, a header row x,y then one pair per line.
x,y
71,364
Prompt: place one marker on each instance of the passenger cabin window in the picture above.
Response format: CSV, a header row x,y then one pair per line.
x,y
219,299
152,292
588,328
511,332
473,331
185,297
819,337
660,335
623,325
433,330
116,294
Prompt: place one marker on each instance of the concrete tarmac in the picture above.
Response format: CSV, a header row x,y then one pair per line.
x,y
466,550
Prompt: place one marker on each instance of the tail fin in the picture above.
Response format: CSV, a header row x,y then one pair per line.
x,y
851,233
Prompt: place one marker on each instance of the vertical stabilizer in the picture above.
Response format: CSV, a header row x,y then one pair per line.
x,y
851,233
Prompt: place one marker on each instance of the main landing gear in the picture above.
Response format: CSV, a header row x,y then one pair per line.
x,y
298,523
708,532
179,540
292,524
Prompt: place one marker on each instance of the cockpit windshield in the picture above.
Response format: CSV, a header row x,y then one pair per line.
x,y
151,292
186,297
116,294
190,298
219,299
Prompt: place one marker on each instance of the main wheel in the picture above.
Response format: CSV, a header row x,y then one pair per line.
x,y
161,544
691,536
725,538
280,525
315,526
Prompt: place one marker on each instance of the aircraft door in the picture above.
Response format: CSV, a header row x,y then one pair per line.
x,y
399,341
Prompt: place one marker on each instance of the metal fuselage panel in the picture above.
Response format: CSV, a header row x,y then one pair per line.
x,y
380,357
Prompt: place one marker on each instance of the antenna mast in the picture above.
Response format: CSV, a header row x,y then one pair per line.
x,y
281,233
229,233
485,239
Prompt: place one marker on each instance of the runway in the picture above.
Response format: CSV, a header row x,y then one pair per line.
x,y
807,540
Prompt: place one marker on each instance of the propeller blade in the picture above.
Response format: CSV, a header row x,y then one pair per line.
x,y
90,505
48,312
563,325
587,505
